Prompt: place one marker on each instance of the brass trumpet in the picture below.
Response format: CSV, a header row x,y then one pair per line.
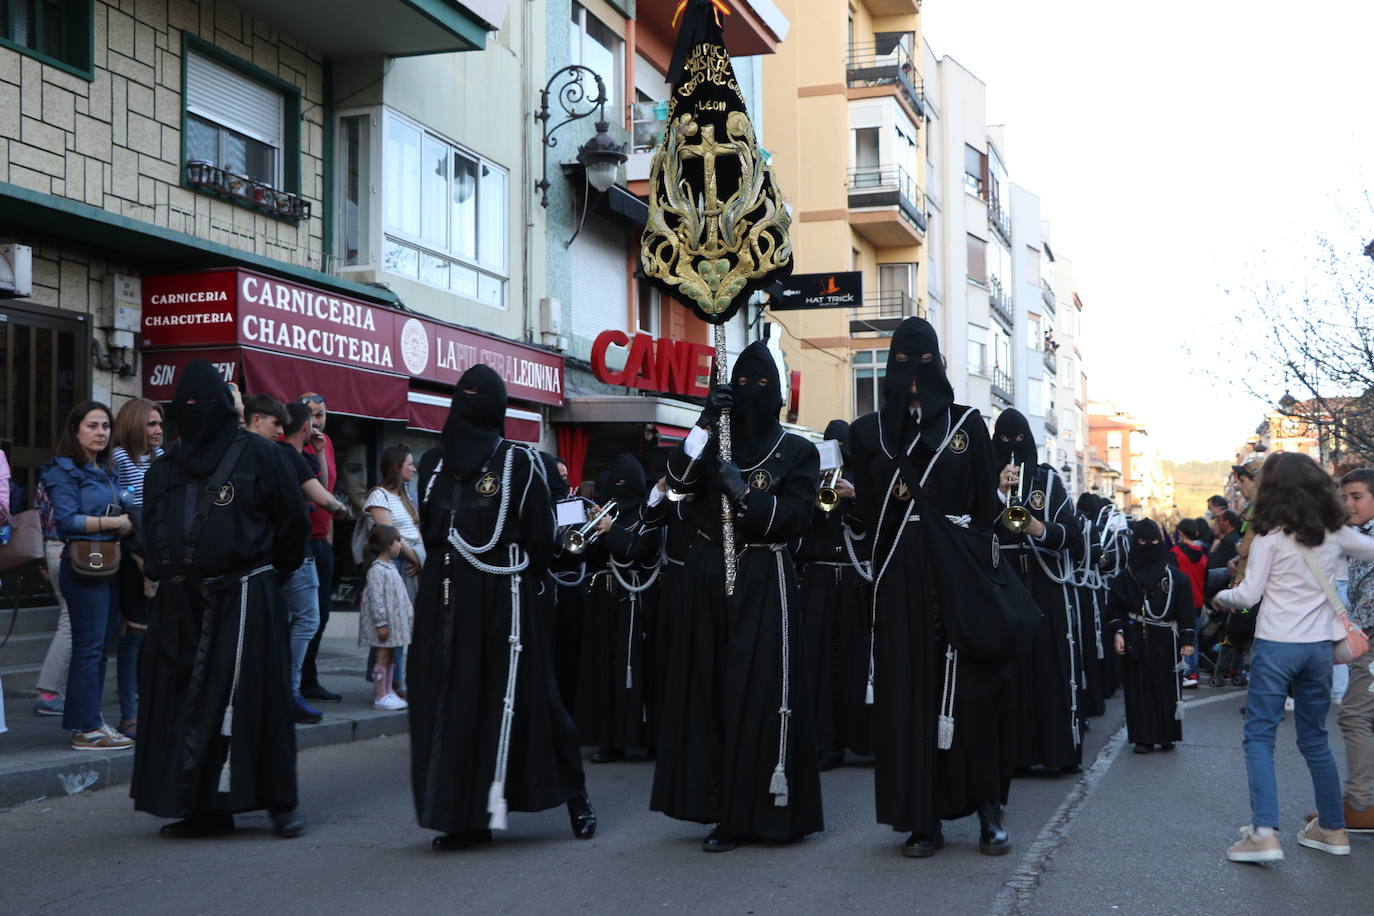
x,y
827,498
578,540
1015,517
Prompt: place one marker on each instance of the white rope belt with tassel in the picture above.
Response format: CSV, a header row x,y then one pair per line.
x,y
226,726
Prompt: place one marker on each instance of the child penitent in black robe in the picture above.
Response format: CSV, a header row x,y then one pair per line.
x,y
216,734
837,609
1151,611
946,447
618,618
482,741
735,744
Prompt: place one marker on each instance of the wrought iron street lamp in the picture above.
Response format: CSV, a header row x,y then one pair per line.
x,y
601,155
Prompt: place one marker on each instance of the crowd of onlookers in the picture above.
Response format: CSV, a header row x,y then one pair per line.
x,y
89,499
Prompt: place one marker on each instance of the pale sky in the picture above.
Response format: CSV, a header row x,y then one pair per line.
x,y
1180,151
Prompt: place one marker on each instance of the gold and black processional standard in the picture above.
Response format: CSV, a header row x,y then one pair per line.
x,y
717,228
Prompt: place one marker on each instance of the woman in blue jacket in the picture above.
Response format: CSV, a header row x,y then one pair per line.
x,y
81,485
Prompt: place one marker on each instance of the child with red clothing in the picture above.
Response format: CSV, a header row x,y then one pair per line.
x,y
1191,558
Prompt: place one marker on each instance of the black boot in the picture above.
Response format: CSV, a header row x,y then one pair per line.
x,y
923,845
582,817
829,760
607,755
718,841
287,822
993,839
463,839
207,823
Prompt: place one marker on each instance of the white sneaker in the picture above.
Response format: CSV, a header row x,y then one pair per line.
x,y
1315,836
391,701
1288,705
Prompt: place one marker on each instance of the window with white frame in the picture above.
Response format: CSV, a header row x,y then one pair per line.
x,y
869,368
977,350
443,213
594,44
1034,341
234,122
647,308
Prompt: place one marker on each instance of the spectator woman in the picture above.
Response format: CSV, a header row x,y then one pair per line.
x,y
1301,538
137,441
390,504
85,500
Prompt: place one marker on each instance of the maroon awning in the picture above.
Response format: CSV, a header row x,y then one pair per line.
x,y
428,411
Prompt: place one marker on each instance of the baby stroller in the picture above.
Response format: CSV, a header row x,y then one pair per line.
x,y
1223,643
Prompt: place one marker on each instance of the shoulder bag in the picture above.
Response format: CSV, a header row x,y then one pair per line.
x,y
94,562
1355,643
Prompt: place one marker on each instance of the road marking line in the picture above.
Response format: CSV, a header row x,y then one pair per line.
x,y
1214,699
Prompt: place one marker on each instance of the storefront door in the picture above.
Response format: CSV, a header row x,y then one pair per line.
x,y
44,372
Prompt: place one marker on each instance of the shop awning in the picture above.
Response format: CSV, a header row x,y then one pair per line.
x,y
669,433
428,411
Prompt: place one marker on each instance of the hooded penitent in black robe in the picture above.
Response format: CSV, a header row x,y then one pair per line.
x,y
1112,532
1152,604
618,617
1086,584
917,785
469,622
1048,725
726,754
836,607
217,632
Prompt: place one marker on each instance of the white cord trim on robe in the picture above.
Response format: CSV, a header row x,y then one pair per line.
x,y
897,535
226,725
634,592
777,785
1149,618
864,569
944,732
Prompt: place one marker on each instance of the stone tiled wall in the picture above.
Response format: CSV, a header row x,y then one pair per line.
x,y
115,142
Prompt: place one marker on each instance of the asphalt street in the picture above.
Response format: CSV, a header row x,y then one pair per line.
x,y
1133,834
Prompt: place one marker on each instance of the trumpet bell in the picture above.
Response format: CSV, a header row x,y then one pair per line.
x,y
827,500
575,542
1015,519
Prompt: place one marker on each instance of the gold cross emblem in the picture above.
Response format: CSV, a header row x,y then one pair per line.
x,y
487,485
901,491
760,480
225,495
959,443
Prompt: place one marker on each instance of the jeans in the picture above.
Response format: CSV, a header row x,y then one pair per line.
x,y
1305,669
1190,661
126,668
301,593
323,552
93,611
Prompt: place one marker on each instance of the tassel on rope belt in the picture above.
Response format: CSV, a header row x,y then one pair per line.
x,y
1172,627
633,589
226,727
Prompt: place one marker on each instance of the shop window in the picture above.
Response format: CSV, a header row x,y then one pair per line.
x,y
241,132
444,213
593,44
57,32
869,368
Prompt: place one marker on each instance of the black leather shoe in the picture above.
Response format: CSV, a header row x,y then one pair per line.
x,y
463,839
287,822
582,817
1167,746
317,692
607,755
993,839
829,760
718,841
209,823
1144,749
1072,769
923,845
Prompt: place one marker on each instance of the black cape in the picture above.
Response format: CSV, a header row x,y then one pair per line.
x,y
186,671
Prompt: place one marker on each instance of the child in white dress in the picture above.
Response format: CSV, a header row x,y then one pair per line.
x,y
386,613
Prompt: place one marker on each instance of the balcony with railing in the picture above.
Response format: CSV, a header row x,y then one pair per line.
x,y
1002,385
886,205
881,314
1051,422
999,219
886,63
1047,295
1051,363
1001,303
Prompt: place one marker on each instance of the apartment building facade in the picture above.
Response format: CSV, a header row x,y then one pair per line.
x,y
846,111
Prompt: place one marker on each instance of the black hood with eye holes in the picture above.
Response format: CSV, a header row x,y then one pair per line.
x,y
476,422
838,431
913,354
203,411
1012,423
627,486
1147,560
754,425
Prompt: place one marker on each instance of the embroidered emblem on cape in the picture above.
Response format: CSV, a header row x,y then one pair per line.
x,y
760,480
488,485
959,443
225,495
900,491
1037,499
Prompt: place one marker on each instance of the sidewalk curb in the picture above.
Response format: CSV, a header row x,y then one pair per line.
x,y
77,771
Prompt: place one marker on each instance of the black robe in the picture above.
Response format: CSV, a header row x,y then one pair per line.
x,y
1096,642
724,680
1150,672
836,608
917,784
1048,681
187,669
616,663
567,586
460,655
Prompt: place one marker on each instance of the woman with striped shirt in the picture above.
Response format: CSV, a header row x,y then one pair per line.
x,y
138,441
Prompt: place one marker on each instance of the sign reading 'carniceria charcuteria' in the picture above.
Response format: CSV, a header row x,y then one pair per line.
x,y
231,306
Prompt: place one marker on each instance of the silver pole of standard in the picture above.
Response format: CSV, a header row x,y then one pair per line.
x,y
727,512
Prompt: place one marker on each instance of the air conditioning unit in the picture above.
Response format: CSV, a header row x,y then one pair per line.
x,y
16,271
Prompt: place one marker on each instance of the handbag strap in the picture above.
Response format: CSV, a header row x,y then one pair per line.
x,y
217,479
1322,579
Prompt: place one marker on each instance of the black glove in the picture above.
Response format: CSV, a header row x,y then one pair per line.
x,y
731,480
718,400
